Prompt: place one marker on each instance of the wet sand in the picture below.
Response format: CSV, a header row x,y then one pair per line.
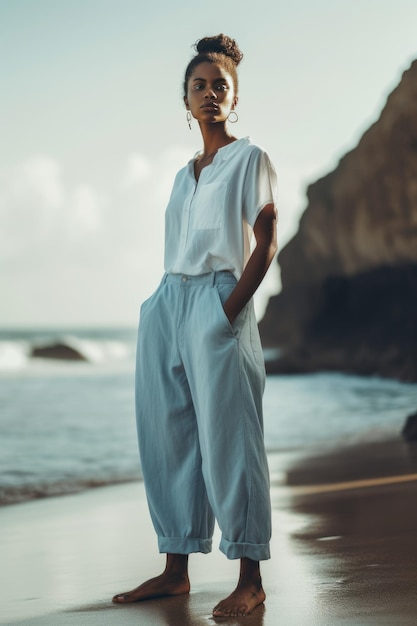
x,y
344,550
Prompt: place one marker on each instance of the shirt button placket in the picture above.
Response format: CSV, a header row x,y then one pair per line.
x,y
185,226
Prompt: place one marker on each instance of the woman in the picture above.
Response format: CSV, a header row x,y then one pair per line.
x,y
200,371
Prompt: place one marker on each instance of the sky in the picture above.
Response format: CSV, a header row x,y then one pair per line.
x,y
93,130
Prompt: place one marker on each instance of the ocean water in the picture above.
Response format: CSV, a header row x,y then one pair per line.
x,y
69,425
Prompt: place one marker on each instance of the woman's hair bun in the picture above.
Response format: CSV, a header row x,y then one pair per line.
x,y
221,44
219,49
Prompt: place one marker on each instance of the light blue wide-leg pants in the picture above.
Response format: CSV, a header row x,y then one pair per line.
x,y
199,387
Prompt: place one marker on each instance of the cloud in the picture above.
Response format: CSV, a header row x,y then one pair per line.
x,y
39,214
138,169
39,177
32,195
45,220
86,210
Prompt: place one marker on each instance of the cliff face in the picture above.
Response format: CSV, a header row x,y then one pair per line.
x,y
349,276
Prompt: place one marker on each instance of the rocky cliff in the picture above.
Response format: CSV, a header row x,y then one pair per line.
x,y
349,276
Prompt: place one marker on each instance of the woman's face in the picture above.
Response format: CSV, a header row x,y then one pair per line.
x,y
211,93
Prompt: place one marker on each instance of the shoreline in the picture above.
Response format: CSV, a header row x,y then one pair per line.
x,y
282,458
332,562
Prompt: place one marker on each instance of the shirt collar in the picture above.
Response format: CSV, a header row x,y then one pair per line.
x,y
225,152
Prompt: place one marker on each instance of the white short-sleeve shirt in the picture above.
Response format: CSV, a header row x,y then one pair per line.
x,y
209,223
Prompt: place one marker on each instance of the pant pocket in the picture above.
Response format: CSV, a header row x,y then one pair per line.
x,y
222,293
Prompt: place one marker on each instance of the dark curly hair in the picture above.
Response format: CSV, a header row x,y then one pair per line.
x,y
219,49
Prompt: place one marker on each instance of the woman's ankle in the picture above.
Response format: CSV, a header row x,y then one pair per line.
x,y
177,565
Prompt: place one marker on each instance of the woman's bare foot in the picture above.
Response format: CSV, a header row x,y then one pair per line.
x,y
173,581
248,594
154,588
241,602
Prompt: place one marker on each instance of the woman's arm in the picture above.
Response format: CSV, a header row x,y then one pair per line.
x,y
265,231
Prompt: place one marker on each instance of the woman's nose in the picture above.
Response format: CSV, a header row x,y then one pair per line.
x,y
210,93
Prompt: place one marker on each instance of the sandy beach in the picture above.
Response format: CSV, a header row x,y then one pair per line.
x,y
343,551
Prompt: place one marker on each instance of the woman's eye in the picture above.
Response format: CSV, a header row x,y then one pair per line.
x,y
198,87
222,87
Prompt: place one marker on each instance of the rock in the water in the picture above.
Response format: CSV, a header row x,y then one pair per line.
x,y
349,276
409,431
58,351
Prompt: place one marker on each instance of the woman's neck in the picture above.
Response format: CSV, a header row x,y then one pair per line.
x,y
214,136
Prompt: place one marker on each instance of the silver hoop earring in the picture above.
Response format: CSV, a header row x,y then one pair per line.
x,y
189,118
234,119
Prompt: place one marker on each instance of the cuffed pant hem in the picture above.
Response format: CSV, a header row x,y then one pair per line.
x,y
183,545
254,551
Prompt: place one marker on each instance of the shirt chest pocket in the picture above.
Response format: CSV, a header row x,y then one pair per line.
x,y
209,206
